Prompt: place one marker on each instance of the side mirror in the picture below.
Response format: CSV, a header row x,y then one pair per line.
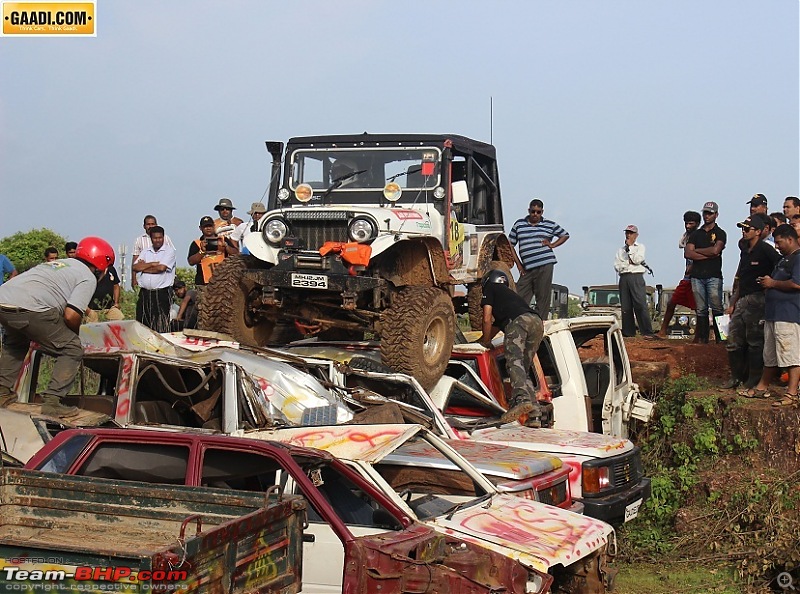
x,y
460,192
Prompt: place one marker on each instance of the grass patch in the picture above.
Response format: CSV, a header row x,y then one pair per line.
x,y
673,578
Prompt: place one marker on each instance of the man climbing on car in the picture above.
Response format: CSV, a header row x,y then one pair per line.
x,y
504,309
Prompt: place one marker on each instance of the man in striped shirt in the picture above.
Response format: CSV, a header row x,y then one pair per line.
x,y
537,237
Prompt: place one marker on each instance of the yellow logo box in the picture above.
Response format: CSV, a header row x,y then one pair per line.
x,y
51,19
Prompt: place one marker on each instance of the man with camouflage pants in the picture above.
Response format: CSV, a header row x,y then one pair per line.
x,y
504,309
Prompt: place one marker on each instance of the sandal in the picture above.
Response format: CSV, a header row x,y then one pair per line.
x,y
754,393
787,400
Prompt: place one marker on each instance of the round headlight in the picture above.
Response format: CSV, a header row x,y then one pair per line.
x,y
362,230
438,193
683,320
283,194
303,192
693,322
392,191
274,230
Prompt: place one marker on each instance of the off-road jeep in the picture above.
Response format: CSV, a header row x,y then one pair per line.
x,y
368,232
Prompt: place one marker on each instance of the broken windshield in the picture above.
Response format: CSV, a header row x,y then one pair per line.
x,y
365,169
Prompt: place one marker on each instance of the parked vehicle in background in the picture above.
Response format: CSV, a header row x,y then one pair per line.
x,y
683,322
84,534
603,300
368,232
559,302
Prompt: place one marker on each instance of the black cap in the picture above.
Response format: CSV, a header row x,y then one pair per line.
x,y
752,222
757,200
205,221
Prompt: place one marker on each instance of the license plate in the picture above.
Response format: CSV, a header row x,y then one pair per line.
x,y
632,510
309,281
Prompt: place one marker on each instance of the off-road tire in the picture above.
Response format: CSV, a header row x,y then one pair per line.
x,y
417,333
474,293
223,307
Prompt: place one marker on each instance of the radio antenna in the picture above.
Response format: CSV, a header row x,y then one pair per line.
x,y
491,119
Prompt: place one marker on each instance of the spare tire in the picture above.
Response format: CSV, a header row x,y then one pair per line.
x,y
417,333
224,306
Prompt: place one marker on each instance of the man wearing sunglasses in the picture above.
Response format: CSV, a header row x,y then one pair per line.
x,y
537,238
745,343
704,248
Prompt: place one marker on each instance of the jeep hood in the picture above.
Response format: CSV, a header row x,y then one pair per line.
x,y
555,441
538,535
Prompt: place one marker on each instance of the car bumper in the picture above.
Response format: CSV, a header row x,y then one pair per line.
x,y
612,508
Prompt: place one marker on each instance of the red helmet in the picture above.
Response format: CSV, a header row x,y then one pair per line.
x,y
96,251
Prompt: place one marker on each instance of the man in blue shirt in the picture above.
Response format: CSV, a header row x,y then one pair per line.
x,y
781,319
537,238
6,268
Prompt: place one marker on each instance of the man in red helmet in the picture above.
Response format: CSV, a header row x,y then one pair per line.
x,y
46,305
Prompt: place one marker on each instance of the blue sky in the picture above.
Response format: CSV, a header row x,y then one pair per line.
x,y
612,112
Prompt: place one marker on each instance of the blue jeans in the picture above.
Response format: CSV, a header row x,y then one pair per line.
x,y
708,295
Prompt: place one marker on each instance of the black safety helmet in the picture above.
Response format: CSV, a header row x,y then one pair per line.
x,y
495,276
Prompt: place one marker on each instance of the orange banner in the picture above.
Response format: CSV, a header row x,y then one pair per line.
x,y
21,19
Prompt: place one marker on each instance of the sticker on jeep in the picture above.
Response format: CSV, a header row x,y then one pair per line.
x,y
406,214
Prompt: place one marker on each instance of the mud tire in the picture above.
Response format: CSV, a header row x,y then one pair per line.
x,y
223,307
474,293
417,333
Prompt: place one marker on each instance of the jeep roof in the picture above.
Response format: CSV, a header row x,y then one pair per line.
x,y
460,143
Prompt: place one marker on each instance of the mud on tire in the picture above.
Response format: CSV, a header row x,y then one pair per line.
x,y
417,333
223,307
474,293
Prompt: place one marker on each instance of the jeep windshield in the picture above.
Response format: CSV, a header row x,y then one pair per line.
x,y
365,170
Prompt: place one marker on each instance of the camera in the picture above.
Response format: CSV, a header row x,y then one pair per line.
x,y
212,243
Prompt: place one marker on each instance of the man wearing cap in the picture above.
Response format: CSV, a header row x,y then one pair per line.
x,y
758,203
745,343
683,294
155,271
206,252
537,238
226,223
630,265
256,211
704,248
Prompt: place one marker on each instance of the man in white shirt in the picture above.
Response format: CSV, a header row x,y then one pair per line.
x,y
143,241
257,210
629,264
155,271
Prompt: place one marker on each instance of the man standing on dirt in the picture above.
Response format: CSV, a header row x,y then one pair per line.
x,y
781,320
791,207
226,223
629,262
155,269
704,248
105,301
46,305
207,252
683,294
536,259
745,344
503,309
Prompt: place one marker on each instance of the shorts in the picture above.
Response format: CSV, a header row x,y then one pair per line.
x,y
781,344
684,295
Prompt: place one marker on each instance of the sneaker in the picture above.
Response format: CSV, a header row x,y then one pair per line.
x,y
516,411
730,384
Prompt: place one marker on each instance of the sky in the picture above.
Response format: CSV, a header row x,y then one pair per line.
x,y
613,113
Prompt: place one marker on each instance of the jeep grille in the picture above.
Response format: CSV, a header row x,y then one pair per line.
x,y
628,470
315,228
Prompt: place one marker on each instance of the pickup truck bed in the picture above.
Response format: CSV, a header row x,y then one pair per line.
x,y
81,521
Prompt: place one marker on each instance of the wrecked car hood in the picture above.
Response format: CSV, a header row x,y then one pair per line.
x,y
489,458
556,441
365,443
537,534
